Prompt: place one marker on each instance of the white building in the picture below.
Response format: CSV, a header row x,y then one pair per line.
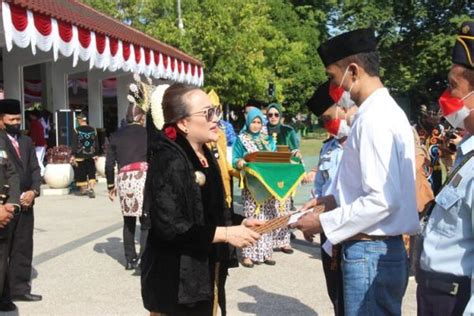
x,y
49,45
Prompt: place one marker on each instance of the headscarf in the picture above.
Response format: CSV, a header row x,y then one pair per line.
x,y
279,108
252,115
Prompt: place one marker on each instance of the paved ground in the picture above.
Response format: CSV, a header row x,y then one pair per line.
x,y
79,268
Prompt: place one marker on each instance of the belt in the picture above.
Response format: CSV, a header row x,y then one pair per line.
x,y
365,237
443,282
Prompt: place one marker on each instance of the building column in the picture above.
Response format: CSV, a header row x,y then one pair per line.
x,y
12,77
58,87
95,101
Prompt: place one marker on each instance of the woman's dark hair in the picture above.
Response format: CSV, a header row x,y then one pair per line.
x,y
174,103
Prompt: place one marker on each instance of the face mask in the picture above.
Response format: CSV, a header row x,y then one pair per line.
x,y
339,95
453,109
13,129
337,127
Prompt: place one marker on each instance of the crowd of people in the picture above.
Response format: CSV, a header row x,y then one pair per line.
x,y
172,166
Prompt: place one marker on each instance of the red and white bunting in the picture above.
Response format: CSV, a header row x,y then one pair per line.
x,y
25,28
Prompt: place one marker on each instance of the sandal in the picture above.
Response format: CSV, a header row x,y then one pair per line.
x,y
270,262
247,263
287,250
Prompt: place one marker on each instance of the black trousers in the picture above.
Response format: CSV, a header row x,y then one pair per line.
x,y
21,253
433,302
334,280
85,172
4,253
129,225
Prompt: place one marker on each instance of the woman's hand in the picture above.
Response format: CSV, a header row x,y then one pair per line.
x,y
252,222
241,236
241,164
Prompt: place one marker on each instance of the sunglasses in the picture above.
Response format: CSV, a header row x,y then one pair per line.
x,y
273,114
209,113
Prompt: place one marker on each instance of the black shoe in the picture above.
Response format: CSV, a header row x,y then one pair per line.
x,y
91,194
131,264
27,298
8,306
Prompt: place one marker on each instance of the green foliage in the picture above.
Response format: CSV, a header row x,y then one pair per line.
x,y
245,44
415,38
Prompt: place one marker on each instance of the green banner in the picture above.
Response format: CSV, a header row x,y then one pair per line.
x,y
279,180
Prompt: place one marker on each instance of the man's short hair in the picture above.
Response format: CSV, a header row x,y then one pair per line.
x,y
370,62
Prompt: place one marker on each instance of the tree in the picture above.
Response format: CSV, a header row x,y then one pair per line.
x,y
244,44
415,38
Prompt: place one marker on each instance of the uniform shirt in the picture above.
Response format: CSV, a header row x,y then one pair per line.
x,y
329,159
449,243
375,184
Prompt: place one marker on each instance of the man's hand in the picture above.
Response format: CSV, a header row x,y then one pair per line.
x,y
112,194
325,204
309,178
309,205
309,225
27,198
6,214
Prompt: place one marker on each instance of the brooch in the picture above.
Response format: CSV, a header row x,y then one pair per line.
x,y
200,178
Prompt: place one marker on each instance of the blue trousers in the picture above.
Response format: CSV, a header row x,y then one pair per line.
x,y
375,276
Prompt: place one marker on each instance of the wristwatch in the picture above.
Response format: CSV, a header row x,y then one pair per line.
x,y
36,193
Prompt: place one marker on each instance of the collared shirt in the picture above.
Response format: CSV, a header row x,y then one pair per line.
x,y
465,146
329,159
375,183
449,242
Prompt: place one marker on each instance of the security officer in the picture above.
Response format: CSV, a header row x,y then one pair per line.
x,y
10,179
335,120
445,278
22,153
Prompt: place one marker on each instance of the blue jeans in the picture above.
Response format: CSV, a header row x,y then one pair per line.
x,y
375,276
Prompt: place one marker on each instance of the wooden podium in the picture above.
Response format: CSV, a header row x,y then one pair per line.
x,y
282,155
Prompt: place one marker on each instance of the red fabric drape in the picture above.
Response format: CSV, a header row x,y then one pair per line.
x,y
138,55
19,18
113,42
65,31
42,24
126,50
84,37
100,42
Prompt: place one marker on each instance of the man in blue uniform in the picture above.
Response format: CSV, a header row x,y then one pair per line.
x,y
336,120
445,277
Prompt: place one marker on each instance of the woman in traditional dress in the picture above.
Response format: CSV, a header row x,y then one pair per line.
x,y
185,197
250,140
283,135
127,150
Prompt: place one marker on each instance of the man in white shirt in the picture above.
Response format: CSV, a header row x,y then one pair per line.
x,y
373,195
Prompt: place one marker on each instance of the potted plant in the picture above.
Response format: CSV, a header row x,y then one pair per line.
x,y
59,173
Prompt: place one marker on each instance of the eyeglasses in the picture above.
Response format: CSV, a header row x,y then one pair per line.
x,y
208,113
273,114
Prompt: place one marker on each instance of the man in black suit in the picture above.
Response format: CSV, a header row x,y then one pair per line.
x,y
22,152
9,205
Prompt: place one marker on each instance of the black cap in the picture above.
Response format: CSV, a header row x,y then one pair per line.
x,y
321,100
463,52
347,44
10,106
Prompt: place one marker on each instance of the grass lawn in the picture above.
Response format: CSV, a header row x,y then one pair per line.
x,y
310,146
